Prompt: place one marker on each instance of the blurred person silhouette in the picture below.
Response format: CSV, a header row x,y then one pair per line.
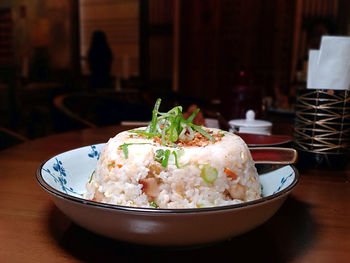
x,y
100,61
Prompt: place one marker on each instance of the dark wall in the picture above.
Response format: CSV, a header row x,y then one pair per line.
x,y
220,38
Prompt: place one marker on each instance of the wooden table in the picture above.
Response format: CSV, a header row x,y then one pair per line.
x,y
313,225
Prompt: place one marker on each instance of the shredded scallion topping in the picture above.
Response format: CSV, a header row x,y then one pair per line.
x,y
166,158
154,204
171,126
91,176
209,173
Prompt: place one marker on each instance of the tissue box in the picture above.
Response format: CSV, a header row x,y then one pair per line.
x,y
322,126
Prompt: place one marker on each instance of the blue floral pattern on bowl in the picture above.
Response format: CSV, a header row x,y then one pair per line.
x,y
60,178
283,182
64,171
277,180
94,152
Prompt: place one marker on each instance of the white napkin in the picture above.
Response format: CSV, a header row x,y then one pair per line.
x,y
312,65
332,70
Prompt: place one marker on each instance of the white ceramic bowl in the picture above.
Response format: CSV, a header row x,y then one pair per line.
x,y
64,177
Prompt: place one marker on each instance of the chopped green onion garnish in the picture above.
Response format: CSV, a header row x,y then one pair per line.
x,y
176,161
177,156
91,176
125,150
153,124
201,131
154,204
171,126
166,158
209,173
147,134
173,132
190,119
159,156
162,157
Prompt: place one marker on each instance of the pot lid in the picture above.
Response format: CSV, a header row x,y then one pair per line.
x,y
250,121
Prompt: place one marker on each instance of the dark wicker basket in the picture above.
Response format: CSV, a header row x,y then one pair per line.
x,y
322,126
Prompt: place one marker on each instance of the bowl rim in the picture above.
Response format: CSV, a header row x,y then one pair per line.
x,y
158,211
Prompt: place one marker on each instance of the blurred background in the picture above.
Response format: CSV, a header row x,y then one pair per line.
x,y
69,64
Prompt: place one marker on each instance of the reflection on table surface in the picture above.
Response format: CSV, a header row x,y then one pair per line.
x,y
312,225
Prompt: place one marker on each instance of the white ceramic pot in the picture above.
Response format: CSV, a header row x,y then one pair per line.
x,y
250,125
